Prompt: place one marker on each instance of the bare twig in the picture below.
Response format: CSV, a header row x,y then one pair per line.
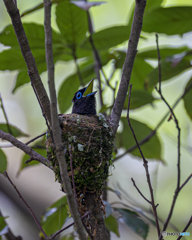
x,y
145,164
144,140
72,173
128,64
177,190
31,211
32,140
134,184
5,115
63,229
186,181
159,60
33,155
57,135
152,133
28,57
186,227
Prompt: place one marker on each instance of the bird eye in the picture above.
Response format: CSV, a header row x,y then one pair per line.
x,y
79,95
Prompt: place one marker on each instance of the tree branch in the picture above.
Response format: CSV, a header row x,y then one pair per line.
x,y
57,135
28,57
33,155
128,64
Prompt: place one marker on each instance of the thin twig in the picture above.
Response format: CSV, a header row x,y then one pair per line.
x,y
153,132
32,140
145,164
186,181
186,227
144,140
72,173
159,60
134,184
33,154
177,190
63,229
5,115
31,211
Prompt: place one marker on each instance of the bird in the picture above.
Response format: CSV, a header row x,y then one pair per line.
x,y
84,100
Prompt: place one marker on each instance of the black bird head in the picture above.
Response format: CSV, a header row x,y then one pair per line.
x,y
84,100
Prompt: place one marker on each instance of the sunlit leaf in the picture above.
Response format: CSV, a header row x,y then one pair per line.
x,y
3,162
165,52
169,68
16,132
139,98
133,220
112,225
171,21
150,149
55,216
188,98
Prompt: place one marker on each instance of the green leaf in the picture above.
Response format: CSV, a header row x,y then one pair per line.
x,y
8,37
3,162
55,216
171,21
108,37
72,23
133,220
188,99
11,59
150,149
26,157
151,4
164,52
169,68
2,223
140,71
112,225
16,132
139,98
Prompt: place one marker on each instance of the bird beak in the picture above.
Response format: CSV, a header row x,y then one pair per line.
x,y
89,89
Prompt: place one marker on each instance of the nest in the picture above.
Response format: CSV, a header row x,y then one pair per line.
x,y
88,140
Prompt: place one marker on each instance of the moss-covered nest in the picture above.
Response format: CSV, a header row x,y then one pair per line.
x,y
88,141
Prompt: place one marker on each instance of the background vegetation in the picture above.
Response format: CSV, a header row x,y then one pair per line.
x,y
112,23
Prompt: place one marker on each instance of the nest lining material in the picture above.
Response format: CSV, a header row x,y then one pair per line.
x,y
91,142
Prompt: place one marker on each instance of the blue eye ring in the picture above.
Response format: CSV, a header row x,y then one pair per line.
x,y
78,95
